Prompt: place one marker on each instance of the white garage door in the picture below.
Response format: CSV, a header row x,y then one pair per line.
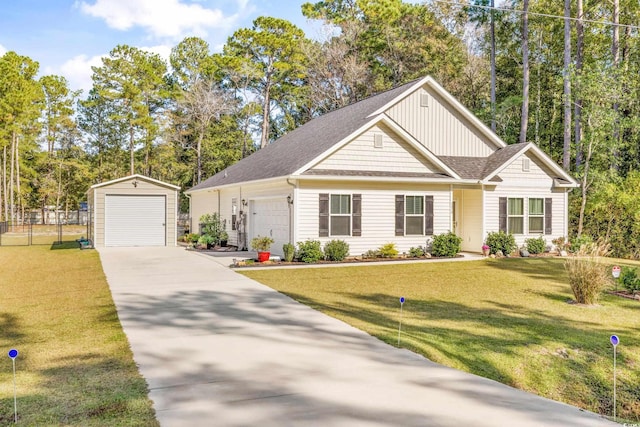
x,y
271,218
135,221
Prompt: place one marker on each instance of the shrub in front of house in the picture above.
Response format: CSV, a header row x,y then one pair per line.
x,y
310,251
536,245
289,251
416,252
446,245
501,242
388,250
336,250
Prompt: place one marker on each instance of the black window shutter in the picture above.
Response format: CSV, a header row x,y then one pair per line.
x,y
399,214
547,216
428,215
356,215
502,213
323,220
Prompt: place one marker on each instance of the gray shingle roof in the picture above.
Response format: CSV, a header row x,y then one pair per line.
x,y
481,167
298,147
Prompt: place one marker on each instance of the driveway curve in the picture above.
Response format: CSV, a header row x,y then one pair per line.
x,y
219,349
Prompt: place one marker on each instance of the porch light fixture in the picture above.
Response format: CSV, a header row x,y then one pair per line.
x,y
244,202
135,183
290,199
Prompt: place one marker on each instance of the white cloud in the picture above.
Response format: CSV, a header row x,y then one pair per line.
x,y
2,50
163,50
161,18
78,71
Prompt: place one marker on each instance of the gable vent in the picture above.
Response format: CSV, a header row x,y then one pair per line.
x,y
377,140
525,165
424,99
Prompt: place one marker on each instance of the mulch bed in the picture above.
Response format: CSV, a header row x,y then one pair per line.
x,y
356,260
625,294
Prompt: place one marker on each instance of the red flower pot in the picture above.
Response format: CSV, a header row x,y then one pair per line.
x,y
263,256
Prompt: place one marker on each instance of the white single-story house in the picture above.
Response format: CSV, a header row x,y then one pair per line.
x,y
133,211
400,166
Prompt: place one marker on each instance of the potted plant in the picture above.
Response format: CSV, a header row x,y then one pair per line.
x,y
485,250
224,238
206,241
262,244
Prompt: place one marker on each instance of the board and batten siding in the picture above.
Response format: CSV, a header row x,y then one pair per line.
x,y
124,188
536,183
438,126
206,202
378,215
392,155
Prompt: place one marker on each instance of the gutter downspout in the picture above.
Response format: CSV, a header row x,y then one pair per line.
x,y
290,205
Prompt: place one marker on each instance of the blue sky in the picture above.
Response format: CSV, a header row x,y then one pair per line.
x,y
67,37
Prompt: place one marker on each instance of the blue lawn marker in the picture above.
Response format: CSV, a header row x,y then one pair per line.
x,y
614,341
13,353
400,323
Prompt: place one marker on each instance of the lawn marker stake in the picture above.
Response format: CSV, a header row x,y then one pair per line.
x,y
615,272
400,323
615,341
13,353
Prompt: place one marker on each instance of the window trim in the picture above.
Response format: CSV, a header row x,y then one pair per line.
x,y
341,215
521,216
414,215
541,215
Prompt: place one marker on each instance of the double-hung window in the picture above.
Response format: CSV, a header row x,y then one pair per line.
x,y
414,215
515,216
536,216
340,219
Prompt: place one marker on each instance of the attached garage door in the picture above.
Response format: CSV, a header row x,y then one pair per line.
x,y
271,218
135,220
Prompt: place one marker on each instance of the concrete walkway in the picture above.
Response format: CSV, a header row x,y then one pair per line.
x,y
218,349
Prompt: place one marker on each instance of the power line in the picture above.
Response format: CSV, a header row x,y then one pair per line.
x,y
545,15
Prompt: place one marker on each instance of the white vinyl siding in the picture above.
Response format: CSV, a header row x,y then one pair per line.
x,y
395,155
378,214
439,127
135,220
535,184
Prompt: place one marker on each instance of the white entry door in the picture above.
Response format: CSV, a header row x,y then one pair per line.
x,y
270,217
135,220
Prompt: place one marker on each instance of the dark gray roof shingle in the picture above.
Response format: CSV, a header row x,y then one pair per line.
x,y
298,147
481,167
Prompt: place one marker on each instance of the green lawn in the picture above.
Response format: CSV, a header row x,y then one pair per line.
x,y
75,367
506,319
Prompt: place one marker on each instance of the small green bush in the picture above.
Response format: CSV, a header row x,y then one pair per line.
x,y
416,252
206,239
388,250
289,251
446,245
192,237
371,253
310,251
580,241
536,245
630,280
336,250
501,241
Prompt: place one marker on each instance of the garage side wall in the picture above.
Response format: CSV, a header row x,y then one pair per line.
x,y
126,188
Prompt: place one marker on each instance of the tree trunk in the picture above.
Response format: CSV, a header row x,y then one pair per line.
x,y
131,146
199,156
266,113
566,149
525,72
578,105
615,53
11,178
492,30
584,187
19,193
4,183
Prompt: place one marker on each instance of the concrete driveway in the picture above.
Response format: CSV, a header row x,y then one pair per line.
x,y
218,349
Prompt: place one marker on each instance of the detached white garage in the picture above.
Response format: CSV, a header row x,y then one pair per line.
x,y
133,211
